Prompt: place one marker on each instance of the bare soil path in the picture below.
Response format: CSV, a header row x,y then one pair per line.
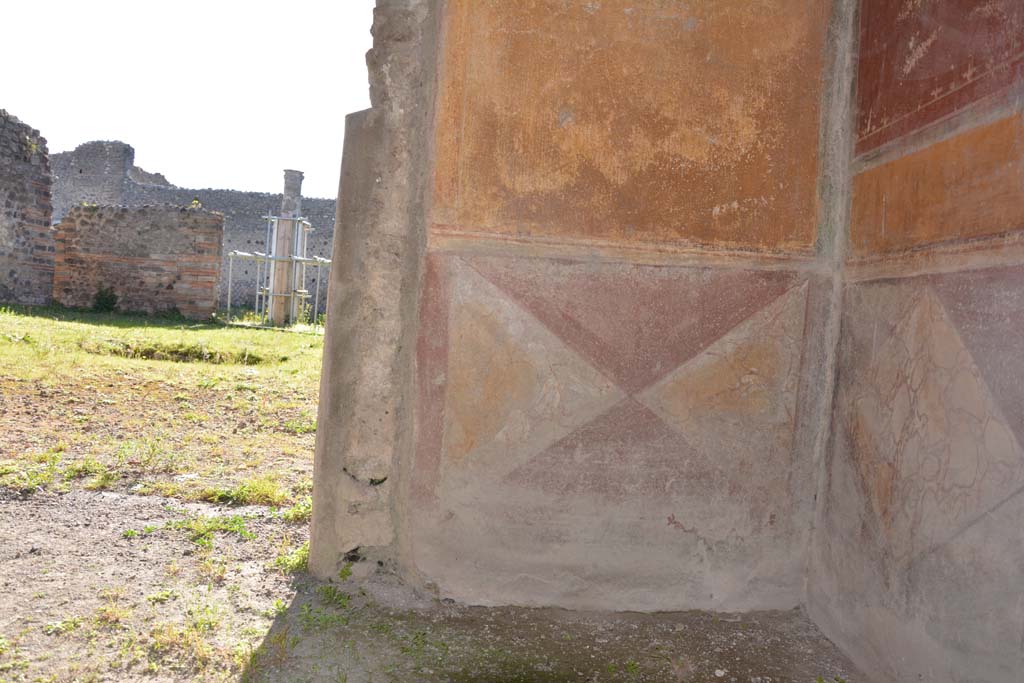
x,y
85,599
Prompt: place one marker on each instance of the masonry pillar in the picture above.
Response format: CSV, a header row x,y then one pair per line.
x,y
364,427
285,246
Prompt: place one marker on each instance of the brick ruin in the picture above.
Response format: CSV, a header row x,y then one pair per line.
x,y
26,244
154,259
104,173
39,190
703,306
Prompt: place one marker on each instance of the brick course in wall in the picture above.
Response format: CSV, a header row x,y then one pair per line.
x,y
104,173
26,242
155,258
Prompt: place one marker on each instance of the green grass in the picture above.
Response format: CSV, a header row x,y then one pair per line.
x,y
300,512
161,406
202,529
259,490
293,560
57,336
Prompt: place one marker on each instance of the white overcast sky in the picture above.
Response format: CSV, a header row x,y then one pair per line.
x,y
214,93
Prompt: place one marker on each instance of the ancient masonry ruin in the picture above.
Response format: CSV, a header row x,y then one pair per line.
x,y
104,173
26,243
154,259
662,306
155,255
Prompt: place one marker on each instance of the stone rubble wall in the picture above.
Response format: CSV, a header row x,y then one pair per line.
x,y
26,241
156,259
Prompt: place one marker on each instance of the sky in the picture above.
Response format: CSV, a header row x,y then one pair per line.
x,y
218,93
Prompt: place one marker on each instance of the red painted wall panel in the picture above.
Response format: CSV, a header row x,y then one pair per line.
x,y
922,60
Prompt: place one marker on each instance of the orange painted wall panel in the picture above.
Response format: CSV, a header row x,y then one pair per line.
x,y
639,121
965,187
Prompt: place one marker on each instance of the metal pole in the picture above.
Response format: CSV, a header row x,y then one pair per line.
x,y
259,271
306,228
293,312
268,272
231,268
316,299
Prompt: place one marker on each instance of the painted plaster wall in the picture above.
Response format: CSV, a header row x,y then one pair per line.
x,y
631,122
918,559
611,328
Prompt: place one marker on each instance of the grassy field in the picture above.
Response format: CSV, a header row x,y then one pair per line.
x,y
157,406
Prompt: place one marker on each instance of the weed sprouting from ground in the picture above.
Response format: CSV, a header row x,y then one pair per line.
x,y
59,628
304,425
292,560
333,596
160,597
32,472
202,529
300,512
259,490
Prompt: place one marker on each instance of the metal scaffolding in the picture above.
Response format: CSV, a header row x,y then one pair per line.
x,y
266,263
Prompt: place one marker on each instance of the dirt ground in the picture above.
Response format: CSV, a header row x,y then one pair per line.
x,y
96,399
154,527
87,601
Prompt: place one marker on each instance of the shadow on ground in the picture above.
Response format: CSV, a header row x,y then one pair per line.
x,y
344,632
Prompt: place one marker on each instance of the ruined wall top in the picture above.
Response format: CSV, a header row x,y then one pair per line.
x,y
291,200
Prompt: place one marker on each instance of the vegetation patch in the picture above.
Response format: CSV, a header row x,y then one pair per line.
x,y
300,512
226,432
293,560
64,626
201,529
258,490
180,352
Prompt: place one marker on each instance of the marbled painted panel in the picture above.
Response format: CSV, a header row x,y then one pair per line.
x,y
544,478
987,307
918,560
933,447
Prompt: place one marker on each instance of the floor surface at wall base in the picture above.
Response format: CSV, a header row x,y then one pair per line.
x,y
887,649
606,586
